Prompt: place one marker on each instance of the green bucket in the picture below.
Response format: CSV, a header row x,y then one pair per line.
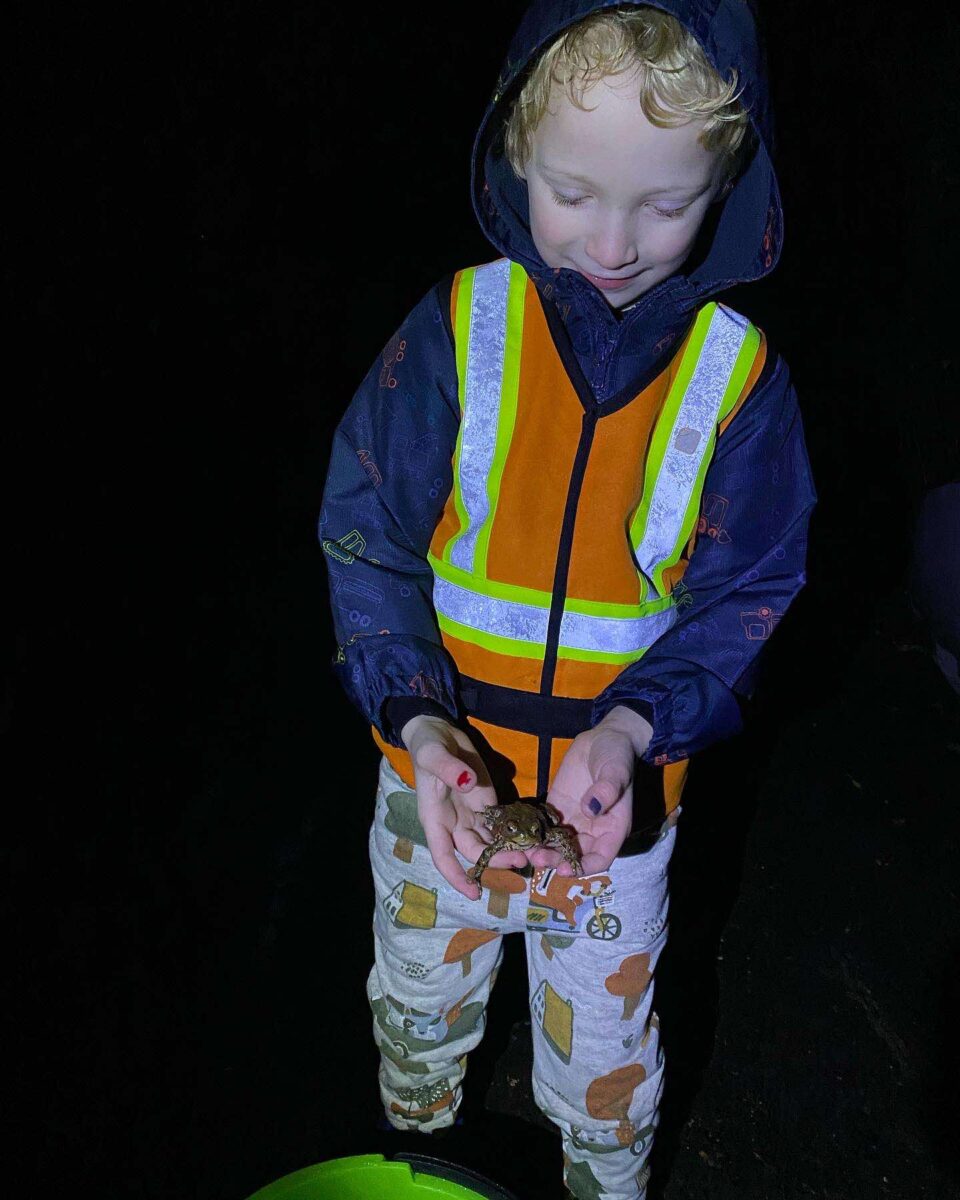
x,y
373,1177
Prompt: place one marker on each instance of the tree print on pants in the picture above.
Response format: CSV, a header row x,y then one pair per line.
x,y
630,981
502,884
609,1098
555,941
402,819
462,945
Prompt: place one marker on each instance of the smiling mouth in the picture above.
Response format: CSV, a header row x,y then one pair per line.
x,y
611,281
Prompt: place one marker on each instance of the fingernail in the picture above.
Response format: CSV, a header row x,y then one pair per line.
x,y
594,805
463,780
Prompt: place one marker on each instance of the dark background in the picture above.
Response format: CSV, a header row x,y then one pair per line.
x,y
227,209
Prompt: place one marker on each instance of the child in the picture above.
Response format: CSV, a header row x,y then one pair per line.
x,y
562,516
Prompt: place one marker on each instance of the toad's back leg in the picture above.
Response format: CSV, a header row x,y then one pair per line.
x,y
566,842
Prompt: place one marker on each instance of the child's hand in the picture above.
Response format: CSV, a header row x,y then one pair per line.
x,y
593,789
453,789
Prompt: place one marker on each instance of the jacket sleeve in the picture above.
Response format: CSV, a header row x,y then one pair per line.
x,y
746,568
389,475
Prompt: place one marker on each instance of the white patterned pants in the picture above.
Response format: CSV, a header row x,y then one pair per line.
x,y
592,944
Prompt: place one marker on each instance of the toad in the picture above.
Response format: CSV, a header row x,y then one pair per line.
x,y
523,825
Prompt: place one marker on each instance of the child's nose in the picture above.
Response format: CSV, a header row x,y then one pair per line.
x,y
611,245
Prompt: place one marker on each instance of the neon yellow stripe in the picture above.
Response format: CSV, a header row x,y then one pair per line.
x,y
462,346
597,608
518,649
600,655
462,328
664,427
541,599
490,641
489,587
507,409
741,369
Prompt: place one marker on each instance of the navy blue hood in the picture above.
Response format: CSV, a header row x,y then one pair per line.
x,y
748,230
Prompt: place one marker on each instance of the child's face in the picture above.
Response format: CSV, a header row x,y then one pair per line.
x,y
614,197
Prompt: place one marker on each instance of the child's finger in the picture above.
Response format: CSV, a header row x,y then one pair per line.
x,y
605,791
603,850
447,767
470,844
509,858
440,845
595,863
544,857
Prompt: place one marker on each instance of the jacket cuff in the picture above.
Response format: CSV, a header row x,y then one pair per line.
x,y
398,710
379,668
653,706
643,708
692,708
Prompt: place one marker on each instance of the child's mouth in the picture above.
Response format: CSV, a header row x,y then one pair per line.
x,y
610,285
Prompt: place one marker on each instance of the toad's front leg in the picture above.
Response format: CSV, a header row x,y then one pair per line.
x,y
481,864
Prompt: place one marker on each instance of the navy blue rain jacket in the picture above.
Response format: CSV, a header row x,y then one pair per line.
x,y
391,463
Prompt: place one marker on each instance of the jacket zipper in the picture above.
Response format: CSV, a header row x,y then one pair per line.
x,y
564,551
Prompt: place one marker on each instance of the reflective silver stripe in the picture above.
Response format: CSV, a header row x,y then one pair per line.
x,y
487,614
481,403
528,622
689,438
615,635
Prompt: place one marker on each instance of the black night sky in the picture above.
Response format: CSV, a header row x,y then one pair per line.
x,y
223,213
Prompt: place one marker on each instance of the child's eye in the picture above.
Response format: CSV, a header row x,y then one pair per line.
x,y
568,201
670,212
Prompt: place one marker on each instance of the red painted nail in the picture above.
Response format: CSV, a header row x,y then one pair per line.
x,y
464,779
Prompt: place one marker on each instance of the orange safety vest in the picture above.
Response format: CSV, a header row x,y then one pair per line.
x,y
569,524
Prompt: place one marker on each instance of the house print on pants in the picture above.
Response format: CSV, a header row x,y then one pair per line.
x,y
413,905
554,1017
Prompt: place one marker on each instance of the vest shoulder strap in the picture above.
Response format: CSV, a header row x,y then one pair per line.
x,y
718,357
751,342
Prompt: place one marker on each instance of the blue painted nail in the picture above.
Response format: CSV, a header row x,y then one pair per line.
x,y
594,805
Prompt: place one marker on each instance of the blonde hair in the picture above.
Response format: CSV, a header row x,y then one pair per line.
x,y
675,82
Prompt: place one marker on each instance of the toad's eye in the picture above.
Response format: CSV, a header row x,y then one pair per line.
x,y
511,827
